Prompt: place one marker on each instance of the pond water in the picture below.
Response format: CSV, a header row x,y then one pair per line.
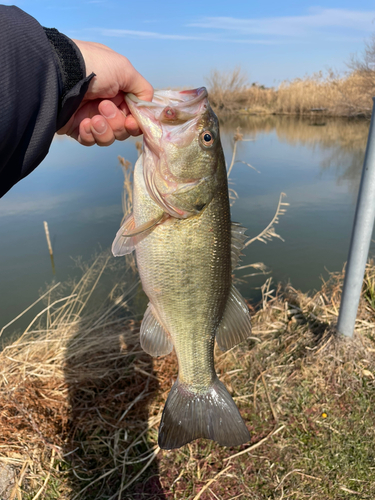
x,y
317,162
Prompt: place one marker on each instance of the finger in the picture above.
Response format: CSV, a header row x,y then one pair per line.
x,y
118,99
82,116
85,136
135,83
101,131
132,126
115,119
124,107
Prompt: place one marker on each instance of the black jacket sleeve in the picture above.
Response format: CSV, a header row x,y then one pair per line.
x,y
42,83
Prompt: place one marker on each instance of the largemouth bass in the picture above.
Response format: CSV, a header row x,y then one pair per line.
x,y
186,248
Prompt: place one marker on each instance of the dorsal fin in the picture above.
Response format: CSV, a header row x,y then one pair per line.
x,y
238,239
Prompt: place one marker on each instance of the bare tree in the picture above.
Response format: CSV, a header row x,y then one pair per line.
x,y
363,68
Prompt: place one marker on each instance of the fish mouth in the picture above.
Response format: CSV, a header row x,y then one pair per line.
x,y
170,120
170,98
168,108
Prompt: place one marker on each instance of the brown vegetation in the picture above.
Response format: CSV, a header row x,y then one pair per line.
x,y
230,93
328,95
81,404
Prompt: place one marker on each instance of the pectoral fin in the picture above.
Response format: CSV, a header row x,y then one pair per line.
x,y
154,337
143,227
127,236
235,325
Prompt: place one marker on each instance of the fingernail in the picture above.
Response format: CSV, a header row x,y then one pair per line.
x,y
87,128
100,126
108,109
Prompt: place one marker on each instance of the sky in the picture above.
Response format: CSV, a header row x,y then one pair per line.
x,y
177,44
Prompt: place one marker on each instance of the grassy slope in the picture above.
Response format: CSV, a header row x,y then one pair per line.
x,y
86,389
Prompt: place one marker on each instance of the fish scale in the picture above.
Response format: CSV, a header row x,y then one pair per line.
x,y
185,271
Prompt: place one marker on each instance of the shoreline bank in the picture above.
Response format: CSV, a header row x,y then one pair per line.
x,y
81,404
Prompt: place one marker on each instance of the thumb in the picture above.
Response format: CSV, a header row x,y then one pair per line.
x,y
133,82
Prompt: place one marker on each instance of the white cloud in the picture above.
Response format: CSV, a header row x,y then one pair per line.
x,y
332,24
316,20
165,36
147,34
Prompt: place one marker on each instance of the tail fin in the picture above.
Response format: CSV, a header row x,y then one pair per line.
x,y
212,415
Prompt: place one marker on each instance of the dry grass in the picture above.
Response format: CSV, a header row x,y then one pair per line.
x,y
81,403
324,94
332,95
74,385
229,93
302,390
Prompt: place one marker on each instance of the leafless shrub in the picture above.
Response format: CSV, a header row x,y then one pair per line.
x,y
227,89
363,66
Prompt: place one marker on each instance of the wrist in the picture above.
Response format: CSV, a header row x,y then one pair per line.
x,y
92,53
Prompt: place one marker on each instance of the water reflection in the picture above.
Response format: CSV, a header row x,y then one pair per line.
x,y
316,161
302,130
344,140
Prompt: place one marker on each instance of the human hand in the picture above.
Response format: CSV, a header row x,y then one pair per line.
x,y
103,115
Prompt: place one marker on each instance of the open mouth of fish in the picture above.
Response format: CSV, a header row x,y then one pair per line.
x,y
170,119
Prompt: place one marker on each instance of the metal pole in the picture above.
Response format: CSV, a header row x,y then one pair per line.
x,y
361,239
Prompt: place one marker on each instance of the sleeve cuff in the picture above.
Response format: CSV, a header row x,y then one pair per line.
x,y
71,101
73,73
71,62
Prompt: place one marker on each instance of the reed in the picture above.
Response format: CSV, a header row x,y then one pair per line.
x,y
327,94
229,93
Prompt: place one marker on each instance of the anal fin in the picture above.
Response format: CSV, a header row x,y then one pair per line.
x,y
154,337
235,325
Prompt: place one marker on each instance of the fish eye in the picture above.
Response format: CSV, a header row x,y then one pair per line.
x,y
207,138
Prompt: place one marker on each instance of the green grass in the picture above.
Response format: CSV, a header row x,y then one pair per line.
x,y
326,449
